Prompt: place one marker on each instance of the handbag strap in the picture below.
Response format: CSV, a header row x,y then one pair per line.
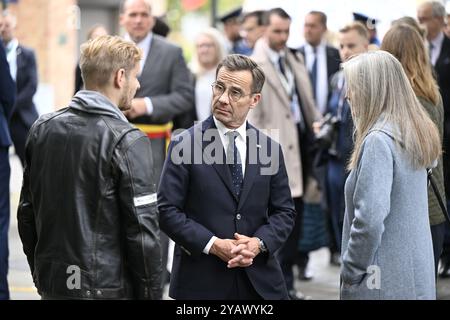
x,y
438,195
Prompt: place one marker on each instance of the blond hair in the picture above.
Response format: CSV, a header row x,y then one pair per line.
x,y
103,56
379,89
358,27
407,45
219,44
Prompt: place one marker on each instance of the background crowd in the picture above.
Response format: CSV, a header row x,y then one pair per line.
x,y
305,97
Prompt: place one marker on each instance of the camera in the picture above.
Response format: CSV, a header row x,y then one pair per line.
x,y
328,131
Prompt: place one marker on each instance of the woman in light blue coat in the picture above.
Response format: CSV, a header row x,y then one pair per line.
x,y
387,251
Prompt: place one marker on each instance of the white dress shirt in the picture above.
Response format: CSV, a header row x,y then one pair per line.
x,y
145,45
11,56
437,46
322,72
241,145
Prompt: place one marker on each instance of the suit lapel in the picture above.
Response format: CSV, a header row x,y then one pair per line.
x,y
19,57
303,85
221,169
20,63
151,63
445,50
274,80
330,62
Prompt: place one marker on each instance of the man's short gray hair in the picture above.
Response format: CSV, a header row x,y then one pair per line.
x,y
437,9
124,2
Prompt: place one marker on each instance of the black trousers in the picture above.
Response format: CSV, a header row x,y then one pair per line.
x,y
4,221
437,235
288,253
242,287
19,133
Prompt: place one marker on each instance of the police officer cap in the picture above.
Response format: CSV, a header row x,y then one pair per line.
x,y
230,15
364,19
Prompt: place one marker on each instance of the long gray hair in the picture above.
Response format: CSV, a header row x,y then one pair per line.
x,y
378,88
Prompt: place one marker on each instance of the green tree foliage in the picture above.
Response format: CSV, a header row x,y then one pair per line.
x,y
175,10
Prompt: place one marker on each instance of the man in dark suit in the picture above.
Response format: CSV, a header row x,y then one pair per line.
x,y
321,59
23,68
224,197
166,87
7,98
432,15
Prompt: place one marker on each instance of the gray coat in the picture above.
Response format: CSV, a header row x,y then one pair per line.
x,y
386,225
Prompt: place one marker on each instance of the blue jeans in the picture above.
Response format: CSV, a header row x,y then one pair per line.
x,y
5,172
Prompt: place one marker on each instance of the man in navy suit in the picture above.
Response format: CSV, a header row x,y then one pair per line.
x,y
22,63
7,98
224,197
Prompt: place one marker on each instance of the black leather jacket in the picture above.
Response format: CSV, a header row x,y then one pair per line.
x,y
87,215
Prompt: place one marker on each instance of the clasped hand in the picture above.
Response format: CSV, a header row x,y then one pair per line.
x,y
237,252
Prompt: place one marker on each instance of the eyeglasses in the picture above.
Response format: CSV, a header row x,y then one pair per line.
x,y
233,94
205,45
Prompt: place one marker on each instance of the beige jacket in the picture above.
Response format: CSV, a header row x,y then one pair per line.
x,y
274,111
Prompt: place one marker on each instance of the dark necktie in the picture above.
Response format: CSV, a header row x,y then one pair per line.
x,y
430,51
313,72
282,66
234,162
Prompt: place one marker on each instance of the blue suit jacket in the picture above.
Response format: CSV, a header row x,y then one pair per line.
x,y
7,98
196,202
26,82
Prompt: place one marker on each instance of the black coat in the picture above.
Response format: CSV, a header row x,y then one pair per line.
x,y
442,68
89,200
7,98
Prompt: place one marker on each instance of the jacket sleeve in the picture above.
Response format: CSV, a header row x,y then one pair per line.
x,y
172,194
7,86
371,200
180,98
137,196
25,212
29,86
281,208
